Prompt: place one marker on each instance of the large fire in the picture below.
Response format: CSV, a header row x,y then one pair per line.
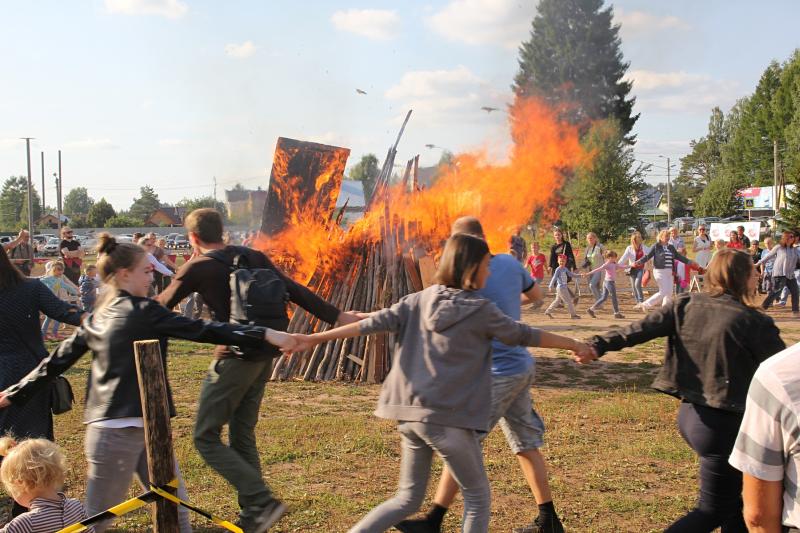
x,y
502,196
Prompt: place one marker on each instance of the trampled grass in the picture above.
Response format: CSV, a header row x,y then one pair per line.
x,y
616,460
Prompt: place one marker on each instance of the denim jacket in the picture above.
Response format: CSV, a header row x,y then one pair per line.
x,y
714,346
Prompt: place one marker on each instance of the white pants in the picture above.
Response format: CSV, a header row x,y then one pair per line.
x,y
665,282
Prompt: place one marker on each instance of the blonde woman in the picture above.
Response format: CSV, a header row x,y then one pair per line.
x,y
635,251
664,256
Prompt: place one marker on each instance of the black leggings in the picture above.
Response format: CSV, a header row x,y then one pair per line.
x,y
711,433
779,282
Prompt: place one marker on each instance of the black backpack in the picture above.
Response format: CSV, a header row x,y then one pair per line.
x,y
258,295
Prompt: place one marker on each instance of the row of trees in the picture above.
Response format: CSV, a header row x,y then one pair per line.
x,y
737,151
83,210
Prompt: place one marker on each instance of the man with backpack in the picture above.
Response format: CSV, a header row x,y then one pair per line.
x,y
232,391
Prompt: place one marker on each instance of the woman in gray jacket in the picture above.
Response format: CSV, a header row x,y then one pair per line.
x,y
439,387
786,257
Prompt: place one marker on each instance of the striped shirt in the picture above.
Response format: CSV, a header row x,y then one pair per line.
x,y
768,446
46,516
668,259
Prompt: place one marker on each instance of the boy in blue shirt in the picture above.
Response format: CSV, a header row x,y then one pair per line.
x,y
561,278
513,371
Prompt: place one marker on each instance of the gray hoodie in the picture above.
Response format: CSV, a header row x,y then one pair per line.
x,y
441,367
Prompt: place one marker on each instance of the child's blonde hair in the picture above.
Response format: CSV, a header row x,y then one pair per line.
x,y
52,265
31,464
610,254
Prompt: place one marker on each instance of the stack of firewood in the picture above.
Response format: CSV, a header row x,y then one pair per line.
x,y
377,273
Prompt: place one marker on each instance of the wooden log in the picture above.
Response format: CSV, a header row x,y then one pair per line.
x,y
427,271
157,430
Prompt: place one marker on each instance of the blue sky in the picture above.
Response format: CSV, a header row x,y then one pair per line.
x,y
173,93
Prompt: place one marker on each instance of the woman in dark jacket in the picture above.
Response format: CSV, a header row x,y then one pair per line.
x,y
113,414
561,247
715,342
22,348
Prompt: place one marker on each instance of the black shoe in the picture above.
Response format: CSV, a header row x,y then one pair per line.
x,y
420,525
541,526
258,520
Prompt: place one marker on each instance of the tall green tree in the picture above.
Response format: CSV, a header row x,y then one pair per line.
x,y
14,203
701,165
145,205
573,58
77,202
600,197
203,201
720,198
366,171
99,213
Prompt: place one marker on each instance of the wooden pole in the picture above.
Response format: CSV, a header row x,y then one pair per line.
x,y
157,431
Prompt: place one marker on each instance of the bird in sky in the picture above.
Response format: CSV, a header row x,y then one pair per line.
x,y
489,109
359,91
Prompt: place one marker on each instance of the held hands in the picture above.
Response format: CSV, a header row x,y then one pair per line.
x,y
584,353
4,401
284,341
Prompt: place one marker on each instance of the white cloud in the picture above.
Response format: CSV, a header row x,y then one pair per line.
x,y
377,24
240,51
500,22
171,142
681,91
648,80
439,96
10,143
92,144
640,22
172,9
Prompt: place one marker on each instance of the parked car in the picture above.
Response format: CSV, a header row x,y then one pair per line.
x,y
734,218
125,237
705,221
181,243
683,224
654,227
51,248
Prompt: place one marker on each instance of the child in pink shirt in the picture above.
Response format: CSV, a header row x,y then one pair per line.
x,y
609,284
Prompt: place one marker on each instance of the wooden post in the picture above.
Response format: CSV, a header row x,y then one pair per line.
x,y
157,431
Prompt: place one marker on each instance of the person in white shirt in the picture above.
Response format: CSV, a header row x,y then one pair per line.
x,y
702,247
767,450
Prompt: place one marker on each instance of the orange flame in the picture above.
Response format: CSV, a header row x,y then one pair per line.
x,y
502,196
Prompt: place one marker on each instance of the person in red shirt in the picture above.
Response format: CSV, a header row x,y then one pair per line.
x,y
734,241
536,262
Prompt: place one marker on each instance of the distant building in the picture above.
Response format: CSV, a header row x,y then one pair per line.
x,y
50,221
352,195
245,206
166,216
652,203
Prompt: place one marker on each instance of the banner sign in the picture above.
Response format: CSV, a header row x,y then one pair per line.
x,y
757,197
721,231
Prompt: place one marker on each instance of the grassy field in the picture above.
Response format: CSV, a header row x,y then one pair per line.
x,y
616,460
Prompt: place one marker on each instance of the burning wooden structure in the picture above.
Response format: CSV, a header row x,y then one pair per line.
x,y
371,274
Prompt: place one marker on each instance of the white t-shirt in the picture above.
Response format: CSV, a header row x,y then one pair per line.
x,y
768,446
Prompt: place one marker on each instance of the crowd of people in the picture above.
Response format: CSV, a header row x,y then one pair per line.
x,y
738,415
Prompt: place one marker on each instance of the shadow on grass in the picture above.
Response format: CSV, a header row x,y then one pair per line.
x,y
564,373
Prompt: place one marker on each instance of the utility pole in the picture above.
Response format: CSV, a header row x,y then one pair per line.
x,y
776,201
669,196
58,191
44,205
30,185
215,189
